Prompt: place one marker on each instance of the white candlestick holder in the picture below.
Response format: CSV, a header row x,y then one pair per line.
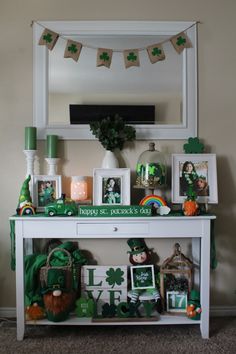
x,y
52,165
30,156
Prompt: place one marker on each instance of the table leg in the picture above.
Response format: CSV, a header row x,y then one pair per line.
x,y
20,305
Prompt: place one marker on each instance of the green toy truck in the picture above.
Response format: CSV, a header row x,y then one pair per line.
x,y
61,206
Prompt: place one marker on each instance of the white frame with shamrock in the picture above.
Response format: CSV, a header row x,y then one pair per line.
x,y
35,190
210,161
188,125
99,174
132,275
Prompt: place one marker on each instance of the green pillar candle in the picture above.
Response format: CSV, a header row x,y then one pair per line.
x,y
30,138
52,145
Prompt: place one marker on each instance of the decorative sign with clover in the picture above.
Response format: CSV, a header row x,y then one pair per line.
x,y
180,41
104,57
104,284
142,277
131,58
155,53
73,50
48,38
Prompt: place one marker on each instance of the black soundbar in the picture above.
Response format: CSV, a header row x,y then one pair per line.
x,y
86,113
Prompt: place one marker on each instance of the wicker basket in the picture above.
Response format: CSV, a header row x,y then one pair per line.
x,y
60,278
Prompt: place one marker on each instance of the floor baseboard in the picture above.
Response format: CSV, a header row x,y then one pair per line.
x,y
215,311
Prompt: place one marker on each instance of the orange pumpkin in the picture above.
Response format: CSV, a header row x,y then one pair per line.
x,y
190,207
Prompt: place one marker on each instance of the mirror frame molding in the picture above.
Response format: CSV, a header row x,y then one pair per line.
x,y
188,126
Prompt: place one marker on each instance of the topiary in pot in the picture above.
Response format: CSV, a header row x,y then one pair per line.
x,y
112,132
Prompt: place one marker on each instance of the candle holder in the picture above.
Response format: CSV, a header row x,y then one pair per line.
x,y
52,165
30,156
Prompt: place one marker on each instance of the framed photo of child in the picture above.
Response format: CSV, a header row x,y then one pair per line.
x,y
45,190
111,186
195,171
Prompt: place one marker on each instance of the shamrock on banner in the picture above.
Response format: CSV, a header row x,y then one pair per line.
x,y
48,38
156,53
131,58
181,41
72,50
104,57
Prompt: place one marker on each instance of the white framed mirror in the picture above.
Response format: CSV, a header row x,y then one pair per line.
x,y
169,85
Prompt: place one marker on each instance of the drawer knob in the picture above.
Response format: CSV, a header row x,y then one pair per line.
x,y
115,228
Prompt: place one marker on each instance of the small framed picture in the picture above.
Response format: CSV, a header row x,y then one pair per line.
x,y
111,186
45,189
142,277
197,170
176,301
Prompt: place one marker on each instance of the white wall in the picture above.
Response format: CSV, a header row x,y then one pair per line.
x,y
217,87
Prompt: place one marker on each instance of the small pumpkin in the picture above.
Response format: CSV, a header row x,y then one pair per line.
x,y
190,206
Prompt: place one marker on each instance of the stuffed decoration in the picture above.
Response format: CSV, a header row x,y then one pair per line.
x,y
140,255
34,312
194,308
25,206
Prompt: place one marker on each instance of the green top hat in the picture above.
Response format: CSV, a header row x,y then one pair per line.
x,y
194,295
137,245
56,280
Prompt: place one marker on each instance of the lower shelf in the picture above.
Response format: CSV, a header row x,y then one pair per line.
x,y
75,321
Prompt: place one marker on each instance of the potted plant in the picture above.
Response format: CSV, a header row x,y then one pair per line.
x,y
112,132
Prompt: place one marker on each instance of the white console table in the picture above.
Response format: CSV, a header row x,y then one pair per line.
x,y
196,228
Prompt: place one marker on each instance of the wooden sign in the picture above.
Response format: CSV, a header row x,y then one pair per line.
x,y
115,211
104,284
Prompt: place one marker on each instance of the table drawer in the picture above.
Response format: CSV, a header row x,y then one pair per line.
x,y
113,229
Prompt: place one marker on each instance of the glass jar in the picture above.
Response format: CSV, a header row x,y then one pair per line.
x,y
151,169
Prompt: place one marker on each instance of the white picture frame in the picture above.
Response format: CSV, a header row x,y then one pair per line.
x,y
45,189
204,177
111,186
137,272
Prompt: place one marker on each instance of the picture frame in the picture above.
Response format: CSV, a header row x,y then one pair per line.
x,y
142,277
45,189
201,170
176,301
111,186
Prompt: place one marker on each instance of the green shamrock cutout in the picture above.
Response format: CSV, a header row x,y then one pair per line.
x,y
114,276
193,146
156,52
73,49
47,38
180,41
104,56
109,310
132,57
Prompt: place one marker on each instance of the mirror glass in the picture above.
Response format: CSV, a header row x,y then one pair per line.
x,y
81,82
170,85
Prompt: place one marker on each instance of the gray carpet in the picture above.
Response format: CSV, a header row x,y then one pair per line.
x,y
123,340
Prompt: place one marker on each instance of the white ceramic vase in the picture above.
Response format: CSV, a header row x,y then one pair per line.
x,y
110,160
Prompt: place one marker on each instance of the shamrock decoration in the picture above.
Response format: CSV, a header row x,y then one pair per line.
x,y
114,276
72,48
180,41
47,38
193,146
132,57
104,56
109,310
156,52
